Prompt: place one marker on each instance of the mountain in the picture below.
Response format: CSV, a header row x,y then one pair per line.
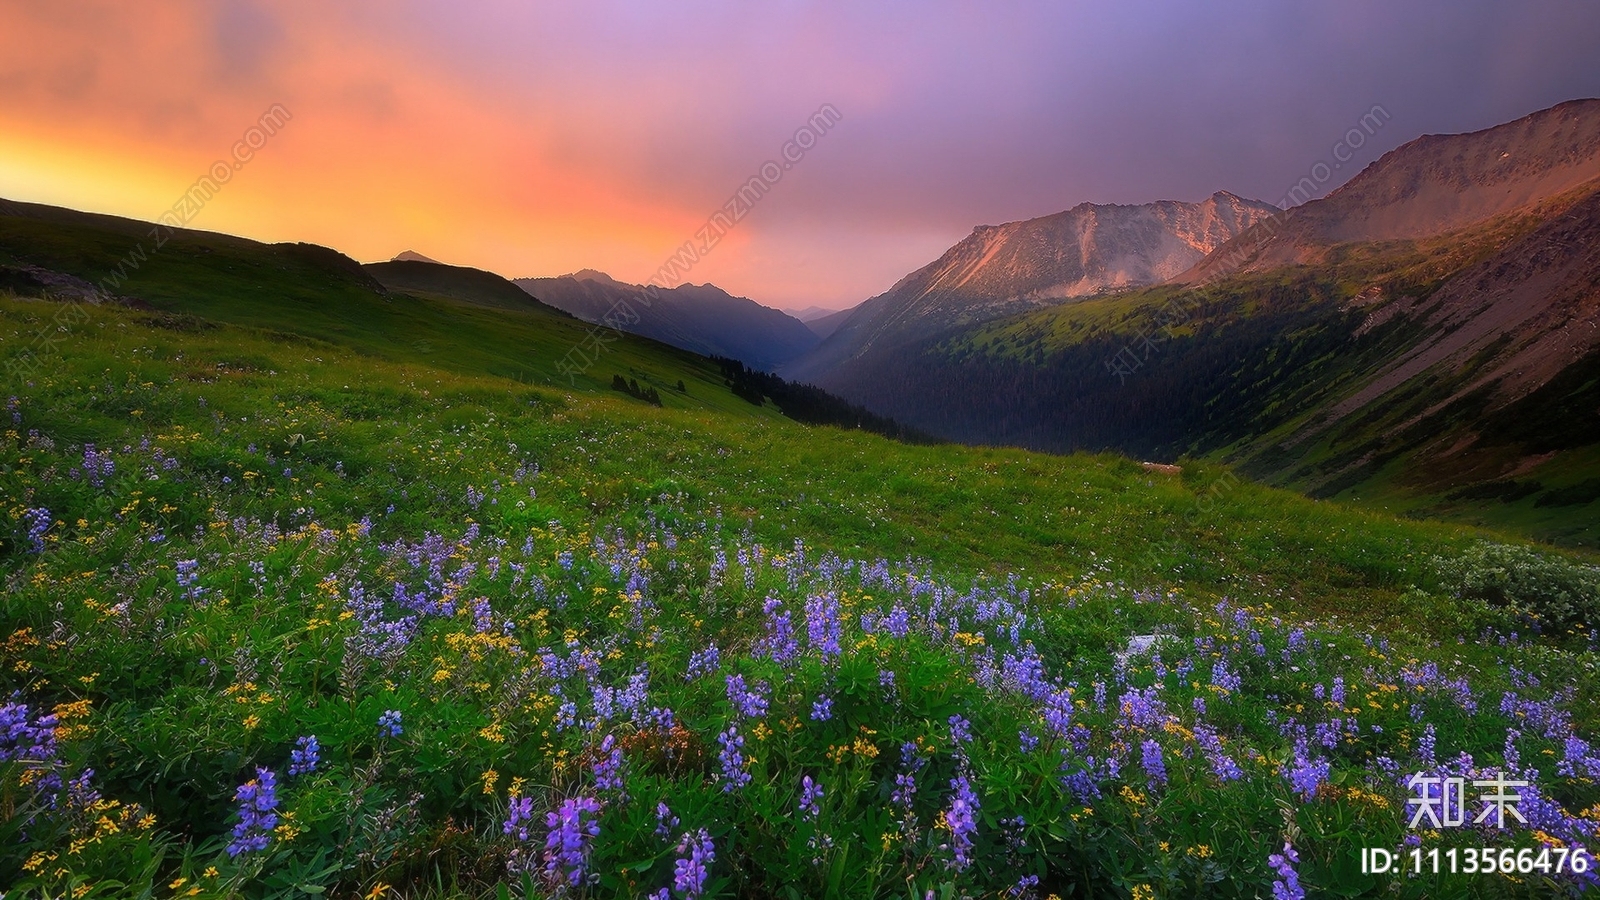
x,y
412,256
1000,270
1430,186
810,313
1387,344
823,326
460,283
701,318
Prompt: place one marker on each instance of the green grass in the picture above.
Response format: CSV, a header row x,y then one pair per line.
x,y
973,507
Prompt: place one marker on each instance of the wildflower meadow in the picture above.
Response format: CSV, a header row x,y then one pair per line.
x,y
269,635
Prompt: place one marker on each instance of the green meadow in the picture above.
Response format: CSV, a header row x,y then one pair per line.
x,y
313,588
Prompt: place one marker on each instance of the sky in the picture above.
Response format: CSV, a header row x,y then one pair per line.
x,y
539,138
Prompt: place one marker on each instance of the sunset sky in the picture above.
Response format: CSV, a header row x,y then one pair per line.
x,y
538,138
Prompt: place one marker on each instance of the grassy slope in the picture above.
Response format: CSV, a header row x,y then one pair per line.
x,y
972,508
314,293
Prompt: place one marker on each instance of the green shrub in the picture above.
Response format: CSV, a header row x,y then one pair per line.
x,y
1554,590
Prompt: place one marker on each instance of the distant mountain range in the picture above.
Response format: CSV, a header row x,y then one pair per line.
x,y
822,322
1001,270
1426,336
810,313
701,318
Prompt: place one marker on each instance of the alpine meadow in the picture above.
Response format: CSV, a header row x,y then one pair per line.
x,y
1129,548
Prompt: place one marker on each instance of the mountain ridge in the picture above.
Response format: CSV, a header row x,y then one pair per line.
x,y
999,270
701,318
1431,185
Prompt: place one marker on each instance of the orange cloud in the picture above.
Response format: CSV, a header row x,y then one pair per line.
x,y
120,109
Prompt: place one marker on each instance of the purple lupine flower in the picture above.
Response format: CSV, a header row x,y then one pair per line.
x,y
80,791
822,709
377,638
1513,758
257,799
666,822
1144,708
780,644
566,715
897,622
1578,759
304,757
733,773
962,820
1222,765
905,790
1024,673
1426,747
603,697
1155,765
518,815
635,698
189,577
38,519
572,828
822,625
23,739
689,870
886,678
389,724
97,465
1336,693
1287,885
1025,887
905,784
747,703
960,730
1306,773
482,616
33,743
1027,741
810,799
1082,785
703,662
1225,678
1057,712
608,767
